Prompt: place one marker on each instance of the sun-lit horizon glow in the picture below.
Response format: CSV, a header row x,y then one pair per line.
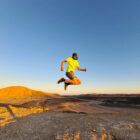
x,y
74,90
105,34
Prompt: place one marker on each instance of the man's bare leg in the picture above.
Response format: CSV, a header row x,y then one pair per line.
x,y
74,81
68,82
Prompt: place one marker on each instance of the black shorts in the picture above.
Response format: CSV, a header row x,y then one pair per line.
x,y
70,75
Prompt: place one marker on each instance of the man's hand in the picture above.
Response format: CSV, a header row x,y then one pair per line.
x,y
62,69
85,70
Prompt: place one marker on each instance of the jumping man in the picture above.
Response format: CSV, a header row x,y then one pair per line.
x,y
72,64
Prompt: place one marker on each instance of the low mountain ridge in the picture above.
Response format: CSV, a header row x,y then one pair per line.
x,y
19,92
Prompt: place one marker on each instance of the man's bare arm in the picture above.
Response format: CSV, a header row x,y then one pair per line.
x,y
62,65
81,69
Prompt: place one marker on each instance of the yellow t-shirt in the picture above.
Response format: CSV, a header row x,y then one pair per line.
x,y
72,64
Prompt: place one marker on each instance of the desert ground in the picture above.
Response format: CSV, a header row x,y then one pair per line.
x,y
27,114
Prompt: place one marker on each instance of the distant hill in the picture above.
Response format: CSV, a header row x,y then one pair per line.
x,y
20,92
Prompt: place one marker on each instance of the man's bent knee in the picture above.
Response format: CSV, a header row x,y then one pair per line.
x,y
78,82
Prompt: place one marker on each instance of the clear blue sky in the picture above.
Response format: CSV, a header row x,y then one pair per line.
x,y
36,35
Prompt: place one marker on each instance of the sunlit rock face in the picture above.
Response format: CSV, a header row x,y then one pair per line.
x,y
20,92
